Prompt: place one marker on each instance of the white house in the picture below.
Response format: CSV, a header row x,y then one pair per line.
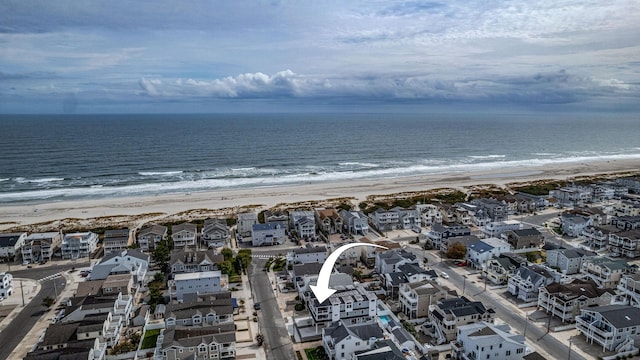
x,y
10,244
568,261
497,228
124,262
342,341
267,234
484,340
6,285
388,261
205,282
79,245
185,234
116,240
246,222
303,222
527,280
355,222
215,233
480,251
308,254
40,246
574,224
351,304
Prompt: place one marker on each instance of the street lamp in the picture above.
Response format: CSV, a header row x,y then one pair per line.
x,y
570,343
464,283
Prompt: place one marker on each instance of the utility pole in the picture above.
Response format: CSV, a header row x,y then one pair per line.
x,y
55,288
464,283
570,343
22,292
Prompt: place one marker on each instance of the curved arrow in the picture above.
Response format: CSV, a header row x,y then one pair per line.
x,y
322,290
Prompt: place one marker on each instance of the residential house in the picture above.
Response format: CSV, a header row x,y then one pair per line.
x,y
382,350
572,195
6,285
631,182
341,341
626,243
439,233
526,282
499,269
150,236
79,245
597,215
352,304
629,288
537,202
474,214
523,238
497,228
83,339
185,234
605,271
203,282
188,261
116,240
129,261
119,284
565,300
328,220
568,261
10,244
485,340
448,314
611,326
200,310
277,216
304,223
384,220
213,342
369,254
430,214
299,272
416,297
602,192
407,273
355,222
308,254
245,223
388,261
267,234
626,222
492,208
573,224
408,218
40,246
626,207
479,251
215,233
81,350
597,237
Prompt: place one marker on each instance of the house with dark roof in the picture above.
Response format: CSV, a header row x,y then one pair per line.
x,y
523,238
440,233
527,280
611,326
568,261
382,350
190,260
185,234
307,254
341,341
355,222
629,288
215,233
626,222
499,269
564,301
597,237
448,314
388,261
10,244
212,342
625,243
407,273
150,236
484,340
116,240
200,311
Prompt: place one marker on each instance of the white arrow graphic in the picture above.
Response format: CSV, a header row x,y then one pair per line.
x,y
322,290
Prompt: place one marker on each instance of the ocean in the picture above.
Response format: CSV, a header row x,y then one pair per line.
x,y
62,157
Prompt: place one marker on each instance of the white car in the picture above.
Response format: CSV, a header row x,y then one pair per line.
x,y
444,275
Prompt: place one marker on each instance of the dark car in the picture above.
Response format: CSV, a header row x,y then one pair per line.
x,y
256,306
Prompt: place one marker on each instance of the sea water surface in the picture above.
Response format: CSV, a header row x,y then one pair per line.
x,y
55,157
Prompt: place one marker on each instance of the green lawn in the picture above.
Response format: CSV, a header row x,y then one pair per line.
x,y
316,353
150,338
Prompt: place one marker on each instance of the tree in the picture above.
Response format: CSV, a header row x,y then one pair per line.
x,y
357,274
227,253
158,277
160,256
456,251
48,302
244,259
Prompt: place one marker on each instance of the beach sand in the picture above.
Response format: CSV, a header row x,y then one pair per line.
x,y
134,211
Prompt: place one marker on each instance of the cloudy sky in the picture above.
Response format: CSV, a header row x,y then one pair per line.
x,y
209,56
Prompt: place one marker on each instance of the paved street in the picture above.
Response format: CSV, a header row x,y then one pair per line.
x,y
17,329
516,320
38,272
278,344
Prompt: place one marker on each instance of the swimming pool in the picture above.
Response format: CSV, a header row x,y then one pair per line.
x,y
385,319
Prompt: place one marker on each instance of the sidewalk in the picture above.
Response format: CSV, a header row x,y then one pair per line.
x,y
45,320
30,287
247,348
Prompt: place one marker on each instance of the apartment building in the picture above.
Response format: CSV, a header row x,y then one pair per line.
x,y
40,246
79,245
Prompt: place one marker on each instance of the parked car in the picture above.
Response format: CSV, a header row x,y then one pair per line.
x,y
256,306
444,275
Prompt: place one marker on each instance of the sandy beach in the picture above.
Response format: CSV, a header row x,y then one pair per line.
x,y
133,211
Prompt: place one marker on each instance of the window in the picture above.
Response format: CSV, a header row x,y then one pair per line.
x,y
519,351
508,352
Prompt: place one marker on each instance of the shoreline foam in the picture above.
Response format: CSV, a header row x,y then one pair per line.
x,y
269,196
